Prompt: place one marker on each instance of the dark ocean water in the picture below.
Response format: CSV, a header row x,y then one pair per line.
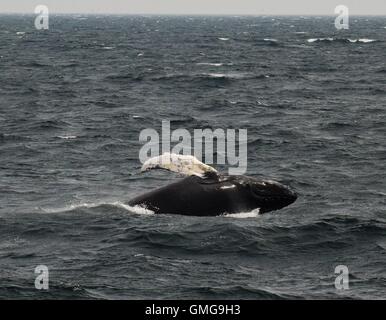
x,y
74,99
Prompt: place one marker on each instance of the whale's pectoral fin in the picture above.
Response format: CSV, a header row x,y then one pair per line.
x,y
183,164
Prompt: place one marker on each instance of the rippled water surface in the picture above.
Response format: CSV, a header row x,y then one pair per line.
x,y
74,99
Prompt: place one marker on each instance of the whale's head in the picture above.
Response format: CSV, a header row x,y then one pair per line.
x,y
270,195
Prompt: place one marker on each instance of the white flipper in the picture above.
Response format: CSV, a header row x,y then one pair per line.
x,y
184,164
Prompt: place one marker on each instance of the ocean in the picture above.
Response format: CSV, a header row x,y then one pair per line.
x,y
74,99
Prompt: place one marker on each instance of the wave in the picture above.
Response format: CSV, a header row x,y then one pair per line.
x,y
99,205
259,41
363,40
132,209
270,40
234,76
244,291
221,76
69,64
125,77
266,42
214,77
12,137
34,64
210,64
189,77
341,40
67,137
48,124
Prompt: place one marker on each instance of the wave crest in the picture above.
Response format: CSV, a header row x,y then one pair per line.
x,y
339,40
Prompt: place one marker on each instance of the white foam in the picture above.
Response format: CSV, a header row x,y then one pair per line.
x,y
135,209
217,75
320,39
67,137
223,39
242,215
70,207
131,209
210,64
20,33
270,40
363,40
108,48
229,75
366,40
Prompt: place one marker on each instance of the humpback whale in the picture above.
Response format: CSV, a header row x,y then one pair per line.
x,y
206,192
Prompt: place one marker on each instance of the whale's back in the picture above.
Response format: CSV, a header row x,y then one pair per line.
x,y
192,196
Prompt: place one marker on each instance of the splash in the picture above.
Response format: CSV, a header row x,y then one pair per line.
x,y
242,215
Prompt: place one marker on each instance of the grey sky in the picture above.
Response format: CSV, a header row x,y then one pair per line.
x,y
255,7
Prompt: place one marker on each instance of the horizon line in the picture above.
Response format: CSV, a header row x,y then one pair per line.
x,y
198,14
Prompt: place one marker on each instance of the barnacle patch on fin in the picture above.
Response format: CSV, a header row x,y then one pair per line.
x,y
183,164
